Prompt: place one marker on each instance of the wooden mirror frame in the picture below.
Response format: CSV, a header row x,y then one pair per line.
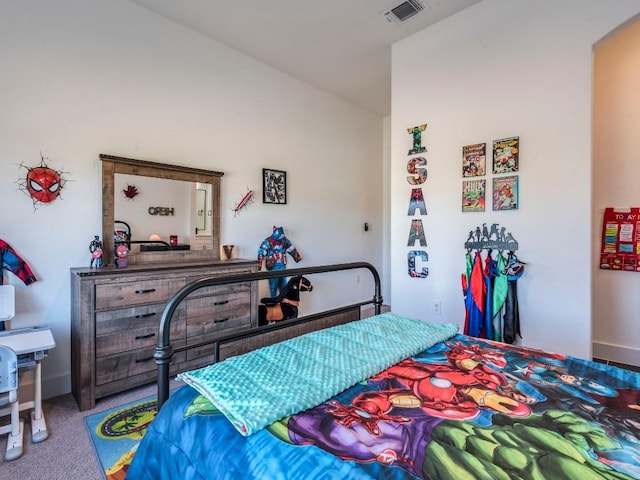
x,y
112,165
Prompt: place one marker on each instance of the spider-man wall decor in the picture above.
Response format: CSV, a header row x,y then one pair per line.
x,y
42,184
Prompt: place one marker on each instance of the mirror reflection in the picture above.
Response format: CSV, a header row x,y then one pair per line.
x,y
203,210
164,212
172,211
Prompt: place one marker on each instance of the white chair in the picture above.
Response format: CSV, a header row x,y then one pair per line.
x,y
28,347
9,395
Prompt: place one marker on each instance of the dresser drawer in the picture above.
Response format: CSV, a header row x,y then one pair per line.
x,y
128,364
124,294
131,328
208,317
215,290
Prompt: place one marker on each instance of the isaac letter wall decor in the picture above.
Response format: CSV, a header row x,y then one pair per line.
x,y
417,168
274,186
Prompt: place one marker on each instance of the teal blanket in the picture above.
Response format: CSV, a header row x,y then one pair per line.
x,y
260,387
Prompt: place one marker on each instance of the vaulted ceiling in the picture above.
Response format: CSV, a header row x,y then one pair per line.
x,y
340,46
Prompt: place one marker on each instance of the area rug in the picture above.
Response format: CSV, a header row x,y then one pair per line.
x,y
116,434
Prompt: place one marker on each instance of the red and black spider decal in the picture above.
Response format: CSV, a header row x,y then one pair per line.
x,y
131,191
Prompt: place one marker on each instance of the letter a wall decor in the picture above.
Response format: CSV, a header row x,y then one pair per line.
x,y
417,202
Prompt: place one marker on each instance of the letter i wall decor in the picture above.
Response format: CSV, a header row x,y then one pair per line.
x,y
417,258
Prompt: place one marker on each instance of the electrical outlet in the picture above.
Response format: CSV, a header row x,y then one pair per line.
x,y
436,307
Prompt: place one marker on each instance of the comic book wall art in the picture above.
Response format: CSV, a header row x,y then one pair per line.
x,y
473,195
505,193
473,160
506,155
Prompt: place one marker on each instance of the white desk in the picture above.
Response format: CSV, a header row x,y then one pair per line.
x,y
31,346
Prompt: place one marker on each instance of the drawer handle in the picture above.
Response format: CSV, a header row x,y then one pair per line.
x,y
148,335
142,360
146,315
224,302
149,290
222,320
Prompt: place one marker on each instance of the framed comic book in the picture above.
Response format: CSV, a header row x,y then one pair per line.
x,y
274,186
506,155
474,159
473,195
505,193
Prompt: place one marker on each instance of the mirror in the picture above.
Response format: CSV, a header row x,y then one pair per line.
x,y
193,191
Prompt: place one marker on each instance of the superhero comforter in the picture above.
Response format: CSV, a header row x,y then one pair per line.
x,y
464,408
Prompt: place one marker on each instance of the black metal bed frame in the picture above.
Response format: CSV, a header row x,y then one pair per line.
x,y
164,351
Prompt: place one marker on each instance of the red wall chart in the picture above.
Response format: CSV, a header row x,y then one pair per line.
x,y
620,246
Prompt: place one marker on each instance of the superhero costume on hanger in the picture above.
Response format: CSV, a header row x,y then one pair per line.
x,y
11,261
500,287
489,276
475,296
511,320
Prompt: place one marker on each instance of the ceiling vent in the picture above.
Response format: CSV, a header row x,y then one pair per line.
x,y
404,11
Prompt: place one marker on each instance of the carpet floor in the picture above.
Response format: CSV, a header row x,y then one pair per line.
x,y
68,453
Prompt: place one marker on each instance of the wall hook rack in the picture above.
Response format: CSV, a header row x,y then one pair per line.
x,y
495,237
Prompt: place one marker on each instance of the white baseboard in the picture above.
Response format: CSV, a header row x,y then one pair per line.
x,y
51,387
616,353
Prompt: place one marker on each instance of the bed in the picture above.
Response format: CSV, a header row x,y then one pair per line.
x,y
417,401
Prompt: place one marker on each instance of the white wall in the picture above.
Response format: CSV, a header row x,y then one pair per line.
x,y
500,69
616,143
80,78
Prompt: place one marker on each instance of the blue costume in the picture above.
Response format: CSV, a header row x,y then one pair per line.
x,y
273,250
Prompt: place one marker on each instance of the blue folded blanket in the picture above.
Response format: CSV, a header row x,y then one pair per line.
x,y
256,389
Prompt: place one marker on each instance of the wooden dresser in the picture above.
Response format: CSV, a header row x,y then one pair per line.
x,y
115,314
